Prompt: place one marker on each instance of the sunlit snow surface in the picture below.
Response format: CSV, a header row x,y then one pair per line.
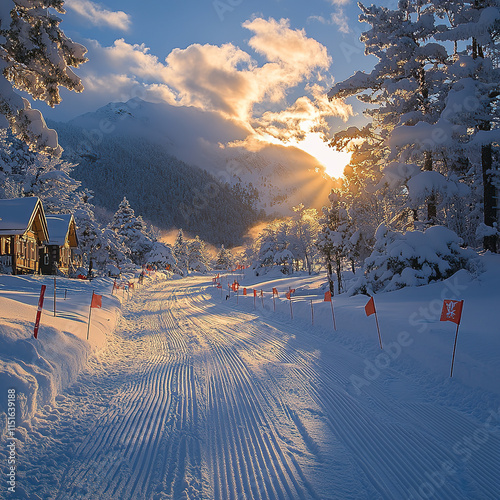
x,y
196,396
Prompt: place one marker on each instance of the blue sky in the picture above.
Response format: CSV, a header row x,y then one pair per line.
x,y
264,64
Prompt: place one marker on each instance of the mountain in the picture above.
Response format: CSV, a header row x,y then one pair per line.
x,y
180,167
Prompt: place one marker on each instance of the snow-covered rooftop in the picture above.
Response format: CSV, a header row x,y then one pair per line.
x,y
59,226
17,215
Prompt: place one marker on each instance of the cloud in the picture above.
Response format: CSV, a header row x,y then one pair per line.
x,y
249,90
337,18
341,20
99,15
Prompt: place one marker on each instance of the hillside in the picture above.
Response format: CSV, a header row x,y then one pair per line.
x,y
201,177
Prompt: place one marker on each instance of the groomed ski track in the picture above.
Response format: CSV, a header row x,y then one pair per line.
x,y
200,400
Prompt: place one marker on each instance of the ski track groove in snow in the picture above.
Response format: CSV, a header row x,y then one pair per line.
x,y
223,404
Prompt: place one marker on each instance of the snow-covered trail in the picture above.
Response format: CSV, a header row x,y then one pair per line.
x,y
200,400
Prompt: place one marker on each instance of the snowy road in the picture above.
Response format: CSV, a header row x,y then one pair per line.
x,y
199,400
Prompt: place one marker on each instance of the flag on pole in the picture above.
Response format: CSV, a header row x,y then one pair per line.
x,y
39,311
244,291
328,298
452,311
369,310
275,292
255,293
96,301
370,307
219,285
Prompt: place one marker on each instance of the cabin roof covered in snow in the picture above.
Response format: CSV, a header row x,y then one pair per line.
x,y
62,227
19,215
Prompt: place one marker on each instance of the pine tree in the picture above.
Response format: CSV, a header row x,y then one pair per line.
x,y
99,247
304,224
180,250
197,256
27,173
161,256
132,231
472,109
224,259
335,240
404,90
35,57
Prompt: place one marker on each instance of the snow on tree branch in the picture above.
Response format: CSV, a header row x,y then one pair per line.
x,y
35,57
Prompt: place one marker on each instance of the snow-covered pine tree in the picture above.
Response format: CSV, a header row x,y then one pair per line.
x,y
99,247
224,259
133,232
27,173
197,256
180,250
336,241
305,227
161,256
35,57
412,259
471,116
405,88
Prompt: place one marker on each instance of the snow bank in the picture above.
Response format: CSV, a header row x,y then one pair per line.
x,y
39,369
414,258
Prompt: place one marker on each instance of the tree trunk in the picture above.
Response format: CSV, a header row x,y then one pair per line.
x,y
489,196
431,200
329,271
338,271
308,264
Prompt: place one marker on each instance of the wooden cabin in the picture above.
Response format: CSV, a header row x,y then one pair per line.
x,y
61,248
23,230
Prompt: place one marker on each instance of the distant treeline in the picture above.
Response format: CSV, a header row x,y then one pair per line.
x,y
160,187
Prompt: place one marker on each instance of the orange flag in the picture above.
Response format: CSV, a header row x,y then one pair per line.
x,y
288,294
328,297
244,291
96,301
255,293
275,292
370,307
452,311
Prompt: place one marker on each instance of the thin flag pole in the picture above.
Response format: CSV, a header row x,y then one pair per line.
x,y
291,308
378,330
90,312
312,313
333,316
237,295
254,299
454,347
274,303
262,298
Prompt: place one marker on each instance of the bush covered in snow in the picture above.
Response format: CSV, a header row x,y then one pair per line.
x,y
413,258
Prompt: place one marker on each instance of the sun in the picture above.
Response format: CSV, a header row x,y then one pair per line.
x,y
333,161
